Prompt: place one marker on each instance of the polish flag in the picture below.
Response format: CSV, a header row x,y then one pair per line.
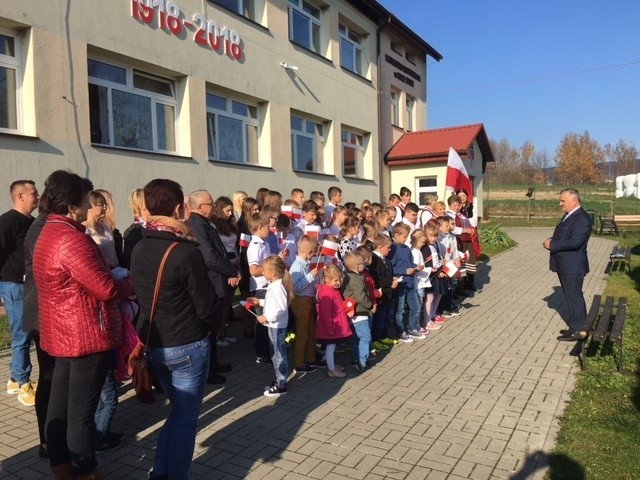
x,y
329,248
317,262
287,210
244,240
248,305
280,236
350,304
312,231
463,256
450,269
457,176
297,213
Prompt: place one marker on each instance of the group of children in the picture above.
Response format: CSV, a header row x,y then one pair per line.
x,y
374,284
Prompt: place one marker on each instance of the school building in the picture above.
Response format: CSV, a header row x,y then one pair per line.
x,y
218,94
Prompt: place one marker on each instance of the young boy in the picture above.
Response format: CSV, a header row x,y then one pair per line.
x,y
257,252
355,286
271,213
405,294
448,247
309,215
297,195
303,279
335,198
374,292
382,273
410,219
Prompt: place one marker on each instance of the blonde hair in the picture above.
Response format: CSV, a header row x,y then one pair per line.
x,y
352,259
416,236
431,229
332,272
136,202
237,204
277,265
110,212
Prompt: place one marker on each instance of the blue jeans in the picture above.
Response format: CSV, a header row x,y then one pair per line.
x,y
361,341
406,296
106,408
182,373
278,350
13,298
381,321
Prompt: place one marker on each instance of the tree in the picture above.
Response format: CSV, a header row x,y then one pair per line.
x,y
625,157
579,159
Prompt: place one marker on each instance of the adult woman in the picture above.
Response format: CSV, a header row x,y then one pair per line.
x,y
99,230
249,207
79,323
273,199
133,233
178,347
225,224
238,199
466,208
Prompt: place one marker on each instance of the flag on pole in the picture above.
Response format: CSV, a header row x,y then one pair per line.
x,y
244,240
450,269
457,176
329,248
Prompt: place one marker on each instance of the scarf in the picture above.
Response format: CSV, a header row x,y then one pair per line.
x,y
160,223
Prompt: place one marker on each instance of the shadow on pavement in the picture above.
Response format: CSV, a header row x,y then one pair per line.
x,y
561,467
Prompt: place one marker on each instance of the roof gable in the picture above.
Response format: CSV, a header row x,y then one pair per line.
x,y
428,146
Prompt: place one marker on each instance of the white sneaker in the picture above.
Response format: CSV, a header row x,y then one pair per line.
x,y
27,395
417,335
405,338
12,387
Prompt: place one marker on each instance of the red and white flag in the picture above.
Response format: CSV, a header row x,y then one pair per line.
x,y
312,231
329,248
244,240
457,176
450,269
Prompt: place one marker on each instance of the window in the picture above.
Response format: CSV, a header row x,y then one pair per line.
x,y
131,109
425,185
304,24
396,47
411,57
232,130
352,153
395,111
351,50
9,80
307,144
410,103
246,8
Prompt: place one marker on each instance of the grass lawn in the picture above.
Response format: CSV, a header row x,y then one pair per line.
x,y
600,429
5,332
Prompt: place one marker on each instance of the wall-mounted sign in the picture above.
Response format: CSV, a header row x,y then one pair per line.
x,y
167,15
403,68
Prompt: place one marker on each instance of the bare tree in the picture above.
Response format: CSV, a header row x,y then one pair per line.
x,y
624,155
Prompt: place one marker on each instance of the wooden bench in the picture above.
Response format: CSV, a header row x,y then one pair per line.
x,y
619,256
618,222
603,324
608,224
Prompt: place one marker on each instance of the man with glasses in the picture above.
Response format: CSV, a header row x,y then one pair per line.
x,y
14,225
220,270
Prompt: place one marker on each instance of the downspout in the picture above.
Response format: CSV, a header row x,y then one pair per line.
x,y
387,21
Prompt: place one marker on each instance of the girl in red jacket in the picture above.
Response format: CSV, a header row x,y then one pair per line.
x,y
332,325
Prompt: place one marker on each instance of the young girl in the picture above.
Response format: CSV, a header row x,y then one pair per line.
x,y
439,283
338,217
382,221
370,232
332,325
348,236
275,317
421,275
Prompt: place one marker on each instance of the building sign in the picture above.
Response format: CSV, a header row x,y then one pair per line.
x,y
167,15
407,72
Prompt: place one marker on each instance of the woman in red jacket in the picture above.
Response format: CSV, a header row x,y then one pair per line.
x,y
79,323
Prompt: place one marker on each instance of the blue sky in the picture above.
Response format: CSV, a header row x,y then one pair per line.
x,y
495,50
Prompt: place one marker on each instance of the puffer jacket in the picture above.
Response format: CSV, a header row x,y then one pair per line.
x,y
77,295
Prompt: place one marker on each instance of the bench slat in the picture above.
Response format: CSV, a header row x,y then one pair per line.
x,y
592,316
618,323
605,319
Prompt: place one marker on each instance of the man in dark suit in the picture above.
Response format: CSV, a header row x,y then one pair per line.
x,y
568,248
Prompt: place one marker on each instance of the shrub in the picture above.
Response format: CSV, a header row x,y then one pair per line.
x,y
495,236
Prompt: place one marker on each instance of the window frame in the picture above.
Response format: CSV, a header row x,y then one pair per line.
x,y
14,63
298,6
130,88
250,5
410,104
395,107
426,189
359,148
315,140
247,121
345,31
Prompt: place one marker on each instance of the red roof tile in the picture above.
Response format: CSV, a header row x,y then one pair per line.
x,y
429,146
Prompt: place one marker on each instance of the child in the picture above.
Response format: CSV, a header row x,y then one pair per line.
x,y
348,236
355,286
271,214
333,324
275,317
382,221
374,292
382,274
370,232
448,248
286,239
335,198
339,216
303,278
405,294
433,259
418,241
297,195
410,219
309,216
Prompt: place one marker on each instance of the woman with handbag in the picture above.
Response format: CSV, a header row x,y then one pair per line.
x,y
176,318
80,323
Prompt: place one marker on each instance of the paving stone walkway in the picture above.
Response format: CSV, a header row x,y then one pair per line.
x,y
478,399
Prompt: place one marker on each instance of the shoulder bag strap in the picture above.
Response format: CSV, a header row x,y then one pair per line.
x,y
156,291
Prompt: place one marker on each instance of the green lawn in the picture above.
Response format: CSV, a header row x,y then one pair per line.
x,y
600,429
5,332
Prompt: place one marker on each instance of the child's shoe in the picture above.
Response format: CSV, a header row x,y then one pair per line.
x,y
417,335
439,320
450,313
359,367
378,345
290,338
306,368
336,373
431,325
404,338
389,341
275,391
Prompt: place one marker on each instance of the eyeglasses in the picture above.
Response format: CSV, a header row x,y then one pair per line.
x,y
99,205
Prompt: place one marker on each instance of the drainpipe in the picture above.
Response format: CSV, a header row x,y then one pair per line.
x,y
387,21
